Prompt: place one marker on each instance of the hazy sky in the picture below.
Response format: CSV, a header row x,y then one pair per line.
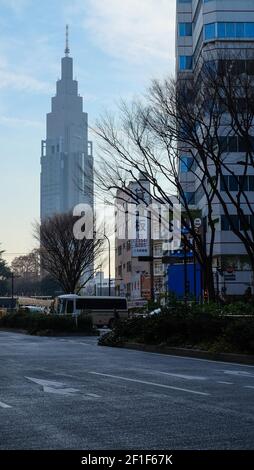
x,y
117,46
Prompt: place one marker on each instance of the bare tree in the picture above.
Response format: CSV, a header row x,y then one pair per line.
x,y
140,144
194,117
5,273
212,117
68,260
27,266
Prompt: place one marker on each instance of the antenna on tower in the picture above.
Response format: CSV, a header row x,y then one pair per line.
x,y
67,49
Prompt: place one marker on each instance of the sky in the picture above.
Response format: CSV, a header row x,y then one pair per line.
x,y
118,47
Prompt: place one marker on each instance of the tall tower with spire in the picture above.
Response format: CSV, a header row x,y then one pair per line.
x,y
66,154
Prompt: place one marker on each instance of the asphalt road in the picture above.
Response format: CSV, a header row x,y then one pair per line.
x,y
69,393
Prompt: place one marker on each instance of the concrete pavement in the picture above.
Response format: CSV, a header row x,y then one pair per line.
x,y
69,393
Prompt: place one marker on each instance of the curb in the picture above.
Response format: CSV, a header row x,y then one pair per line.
x,y
199,354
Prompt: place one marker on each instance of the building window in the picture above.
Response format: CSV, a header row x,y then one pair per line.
x,y
228,30
158,270
129,267
185,62
233,183
226,223
199,193
119,250
157,250
209,31
185,29
235,144
232,144
128,245
185,163
190,197
52,149
237,183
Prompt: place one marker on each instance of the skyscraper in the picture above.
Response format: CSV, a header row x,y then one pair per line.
x,y
66,154
221,30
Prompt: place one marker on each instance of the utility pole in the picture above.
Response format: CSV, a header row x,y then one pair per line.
x,y
109,266
185,272
151,258
194,272
12,289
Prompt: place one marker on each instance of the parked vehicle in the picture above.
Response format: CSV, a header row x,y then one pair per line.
x,y
157,311
103,310
33,309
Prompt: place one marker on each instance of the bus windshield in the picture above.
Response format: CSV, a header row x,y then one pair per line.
x,y
65,306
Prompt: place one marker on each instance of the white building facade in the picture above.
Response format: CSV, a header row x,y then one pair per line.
x,y
205,27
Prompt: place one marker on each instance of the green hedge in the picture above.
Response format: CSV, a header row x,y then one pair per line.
x,y
36,322
189,328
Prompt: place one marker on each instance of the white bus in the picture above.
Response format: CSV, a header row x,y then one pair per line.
x,y
103,310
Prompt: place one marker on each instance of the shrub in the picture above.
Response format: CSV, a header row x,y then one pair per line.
x,y
35,322
194,325
240,333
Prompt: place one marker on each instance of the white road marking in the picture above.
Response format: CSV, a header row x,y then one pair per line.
x,y
226,383
60,391
183,376
94,395
242,373
3,405
150,383
46,383
248,386
50,386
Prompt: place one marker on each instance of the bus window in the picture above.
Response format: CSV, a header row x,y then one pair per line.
x,y
62,306
101,304
69,306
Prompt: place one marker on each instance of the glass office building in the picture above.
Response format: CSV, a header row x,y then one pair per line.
x,y
222,28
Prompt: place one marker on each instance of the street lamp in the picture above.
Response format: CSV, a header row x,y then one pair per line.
x,y
109,266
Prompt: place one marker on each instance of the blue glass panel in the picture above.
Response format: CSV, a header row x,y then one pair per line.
x,y
181,29
185,62
239,30
221,30
188,29
182,62
210,31
185,29
230,30
188,62
249,30
185,164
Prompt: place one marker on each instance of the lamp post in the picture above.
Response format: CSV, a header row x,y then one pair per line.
x,y
109,267
109,262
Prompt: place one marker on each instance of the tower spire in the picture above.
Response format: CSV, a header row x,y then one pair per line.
x,y
67,49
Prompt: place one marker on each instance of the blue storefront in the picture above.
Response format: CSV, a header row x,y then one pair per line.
x,y
184,277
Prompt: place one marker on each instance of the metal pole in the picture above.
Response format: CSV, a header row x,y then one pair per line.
x,y
195,274
109,266
12,289
151,257
185,273
217,281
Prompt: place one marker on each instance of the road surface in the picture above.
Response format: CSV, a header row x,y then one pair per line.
x,y
69,393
